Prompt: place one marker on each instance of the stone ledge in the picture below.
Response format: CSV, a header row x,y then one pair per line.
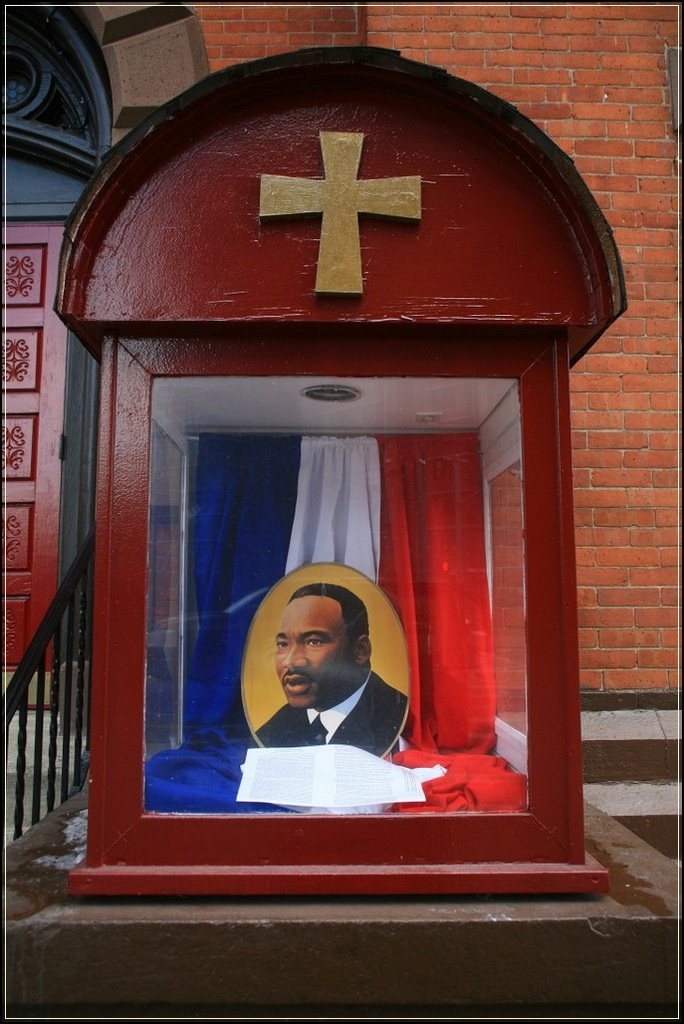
x,y
335,953
629,700
627,745
652,810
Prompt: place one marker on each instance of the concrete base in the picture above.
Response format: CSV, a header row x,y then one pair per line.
x,y
652,810
638,745
160,957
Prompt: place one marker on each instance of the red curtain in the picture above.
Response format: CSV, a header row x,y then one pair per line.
x,y
433,567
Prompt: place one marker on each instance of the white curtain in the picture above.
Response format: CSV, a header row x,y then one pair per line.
x,y
337,516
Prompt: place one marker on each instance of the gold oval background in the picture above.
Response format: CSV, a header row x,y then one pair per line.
x,y
262,693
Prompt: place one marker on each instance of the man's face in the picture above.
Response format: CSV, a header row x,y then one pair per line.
x,y
317,664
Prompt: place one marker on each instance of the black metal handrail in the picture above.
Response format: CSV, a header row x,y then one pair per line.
x,y
65,701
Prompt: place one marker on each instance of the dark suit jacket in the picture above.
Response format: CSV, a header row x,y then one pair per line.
x,y
373,725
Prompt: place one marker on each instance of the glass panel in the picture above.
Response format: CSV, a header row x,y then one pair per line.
x,y
401,495
165,626
508,613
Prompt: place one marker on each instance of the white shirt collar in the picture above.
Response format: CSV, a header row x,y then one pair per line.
x,y
332,718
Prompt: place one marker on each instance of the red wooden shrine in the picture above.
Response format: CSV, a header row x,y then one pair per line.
x,y
480,257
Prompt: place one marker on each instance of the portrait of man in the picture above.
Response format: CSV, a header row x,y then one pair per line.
x,y
323,663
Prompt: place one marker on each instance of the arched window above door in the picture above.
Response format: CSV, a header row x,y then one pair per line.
x,y
57,106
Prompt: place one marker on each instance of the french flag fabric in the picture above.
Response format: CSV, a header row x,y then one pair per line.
x,y
404,510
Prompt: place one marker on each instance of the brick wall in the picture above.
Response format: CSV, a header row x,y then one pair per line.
x,y
593,76
238,32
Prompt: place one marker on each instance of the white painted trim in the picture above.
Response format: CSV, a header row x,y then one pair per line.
x,y
511,744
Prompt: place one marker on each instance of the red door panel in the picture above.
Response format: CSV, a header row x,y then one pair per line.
x,y
34,363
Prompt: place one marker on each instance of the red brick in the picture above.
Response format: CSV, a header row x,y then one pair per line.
x,y
631,477
666,516
459,23
591,76
545,43
655,328
618,439
598,537
648,382
595,382
535,10
607,147
413,23
436,40
611,183
606,458
602,11
610,659
577,60
424,9
661,291
646,44
638,202
652,420
602,420
645,497
586,597
663,459
638,679
541,76
662,658
601,400
663,148
629,637
663,400
584,517
458,59
613,498
658,617
669,596
653,537
644,130
601,363
625,517
652,308
598,44
661,440
581,477
576,26
629,556
310,39
512,58
595,616
385,39
642,577
626,60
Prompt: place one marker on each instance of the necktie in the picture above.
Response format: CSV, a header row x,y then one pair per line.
x,y
317,732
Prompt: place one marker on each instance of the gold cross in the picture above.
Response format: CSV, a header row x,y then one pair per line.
x,y
340,197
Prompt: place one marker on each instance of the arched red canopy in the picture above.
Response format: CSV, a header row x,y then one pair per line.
x,y
170,233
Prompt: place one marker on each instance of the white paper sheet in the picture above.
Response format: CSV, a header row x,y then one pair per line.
x,y
334,778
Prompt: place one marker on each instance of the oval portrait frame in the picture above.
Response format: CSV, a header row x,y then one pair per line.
x,y
262,693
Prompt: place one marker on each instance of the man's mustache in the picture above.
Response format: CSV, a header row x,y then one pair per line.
x,y
289,676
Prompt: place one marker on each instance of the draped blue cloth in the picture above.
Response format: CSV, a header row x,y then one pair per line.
x,y
244,502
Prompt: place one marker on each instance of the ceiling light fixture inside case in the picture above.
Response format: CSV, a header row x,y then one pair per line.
x,y
332,393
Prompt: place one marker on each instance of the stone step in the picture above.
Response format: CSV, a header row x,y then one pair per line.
x,y
548,957
630,745
651,810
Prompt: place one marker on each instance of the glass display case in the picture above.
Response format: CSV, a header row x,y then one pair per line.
x,y
415,483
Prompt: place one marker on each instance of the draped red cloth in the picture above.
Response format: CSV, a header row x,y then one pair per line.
x,y
473,782
433,568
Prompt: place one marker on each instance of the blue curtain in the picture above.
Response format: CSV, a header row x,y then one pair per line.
x,y
243,509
